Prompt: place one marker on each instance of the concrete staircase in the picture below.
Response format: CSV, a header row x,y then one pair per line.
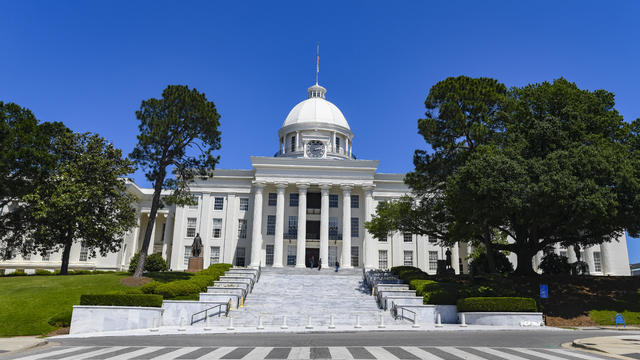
x,y
299,293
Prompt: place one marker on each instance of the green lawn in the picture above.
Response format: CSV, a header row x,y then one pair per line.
x,y
606,317
27,302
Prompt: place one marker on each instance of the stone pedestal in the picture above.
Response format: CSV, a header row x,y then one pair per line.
x,y
195,264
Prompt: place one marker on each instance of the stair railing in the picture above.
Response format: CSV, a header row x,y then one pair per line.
x,y
226,306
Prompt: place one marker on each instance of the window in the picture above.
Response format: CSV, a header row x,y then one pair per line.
x,y
195,206
408,258
354,256
293,143
337,144
433,239
269,260
273,199
242,229
597,262
333,200
408,237
382,259
293,199
293,226
355,201
355,227
433,260
291,255
240,256
215,255
218,203
84,253
244,204
187,255
46,256
191,227
271,224
217,228
333,228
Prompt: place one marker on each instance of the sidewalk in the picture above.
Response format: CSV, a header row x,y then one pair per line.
x,y
19,343
622,346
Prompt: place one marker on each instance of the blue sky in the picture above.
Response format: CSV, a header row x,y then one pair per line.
x,y
89,64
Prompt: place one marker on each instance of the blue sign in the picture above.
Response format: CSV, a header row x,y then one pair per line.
x,y
620,320
544,291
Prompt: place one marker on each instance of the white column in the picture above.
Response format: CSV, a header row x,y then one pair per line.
x,y
588,257
346,227
302,226
606,257
278,241
571,255
324,226
167,235
369,242
334,143
297,140
178,237
136,235
152,241
455,255
230,230
256,235
350,148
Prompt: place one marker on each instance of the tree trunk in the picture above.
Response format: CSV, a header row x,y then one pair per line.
x,y
64,267
525,262
491,261
155,204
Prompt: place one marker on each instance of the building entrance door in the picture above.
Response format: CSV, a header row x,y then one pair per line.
x,y
333,256
309,253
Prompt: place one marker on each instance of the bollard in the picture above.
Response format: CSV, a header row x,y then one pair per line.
x,y
155,325
230,304
284,322
415,321
241,302
438,321
463,322
357,326
230,327
181,328
260,326
373,291
309,326
206,321
381,324
331,324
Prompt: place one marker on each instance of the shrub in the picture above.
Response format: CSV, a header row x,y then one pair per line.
x,y
440,293
408,273
61,319
553,263
497,304
154,262
122,300
480,265
43,272
418,285
150,287
177,288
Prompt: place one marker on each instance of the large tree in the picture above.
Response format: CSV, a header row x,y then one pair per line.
x,y
82,200
27,157
179,133
547,163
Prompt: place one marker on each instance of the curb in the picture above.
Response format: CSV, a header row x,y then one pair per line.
x,y
576,344
42,343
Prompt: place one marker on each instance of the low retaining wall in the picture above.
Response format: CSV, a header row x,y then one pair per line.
x,y
239,278
503,318
390,301
173,310
427,314
90,319
383,287
226,290
231,284
213,297
382,294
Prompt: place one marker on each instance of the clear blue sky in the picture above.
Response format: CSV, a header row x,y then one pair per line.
x,y
89,64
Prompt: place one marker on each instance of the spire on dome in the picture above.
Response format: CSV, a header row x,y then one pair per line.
x,y
316,91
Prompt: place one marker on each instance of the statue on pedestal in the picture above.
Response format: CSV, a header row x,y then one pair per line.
x,y
196,247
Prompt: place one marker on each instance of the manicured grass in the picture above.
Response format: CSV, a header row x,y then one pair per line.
x,y
606,317
27,302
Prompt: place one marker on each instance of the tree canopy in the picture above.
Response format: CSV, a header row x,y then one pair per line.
x,y
544,164
179,133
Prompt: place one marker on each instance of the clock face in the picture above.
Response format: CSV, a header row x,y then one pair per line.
x,y
315,149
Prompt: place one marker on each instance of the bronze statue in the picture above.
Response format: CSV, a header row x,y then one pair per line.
x,y
196,247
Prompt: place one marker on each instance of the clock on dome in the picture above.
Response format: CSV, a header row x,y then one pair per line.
x,y
315,149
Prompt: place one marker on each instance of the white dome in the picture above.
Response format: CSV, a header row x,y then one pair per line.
x,y
316,110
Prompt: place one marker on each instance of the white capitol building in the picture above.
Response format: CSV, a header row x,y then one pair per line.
x,y
308,202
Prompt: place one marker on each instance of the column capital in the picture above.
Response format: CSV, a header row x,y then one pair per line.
x,y
281,186
259,184
302,187
325,187
369,189
346,188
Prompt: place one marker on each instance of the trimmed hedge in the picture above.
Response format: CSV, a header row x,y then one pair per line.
x,y
122,300
187,288
497,304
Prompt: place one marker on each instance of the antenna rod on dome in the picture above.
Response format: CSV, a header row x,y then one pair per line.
x,y
317,61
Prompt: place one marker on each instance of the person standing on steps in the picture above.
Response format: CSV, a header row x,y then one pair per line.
x,y
337,265
319,264
311,261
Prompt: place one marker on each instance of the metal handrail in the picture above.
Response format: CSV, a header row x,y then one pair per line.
x,y
226,312
394,311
